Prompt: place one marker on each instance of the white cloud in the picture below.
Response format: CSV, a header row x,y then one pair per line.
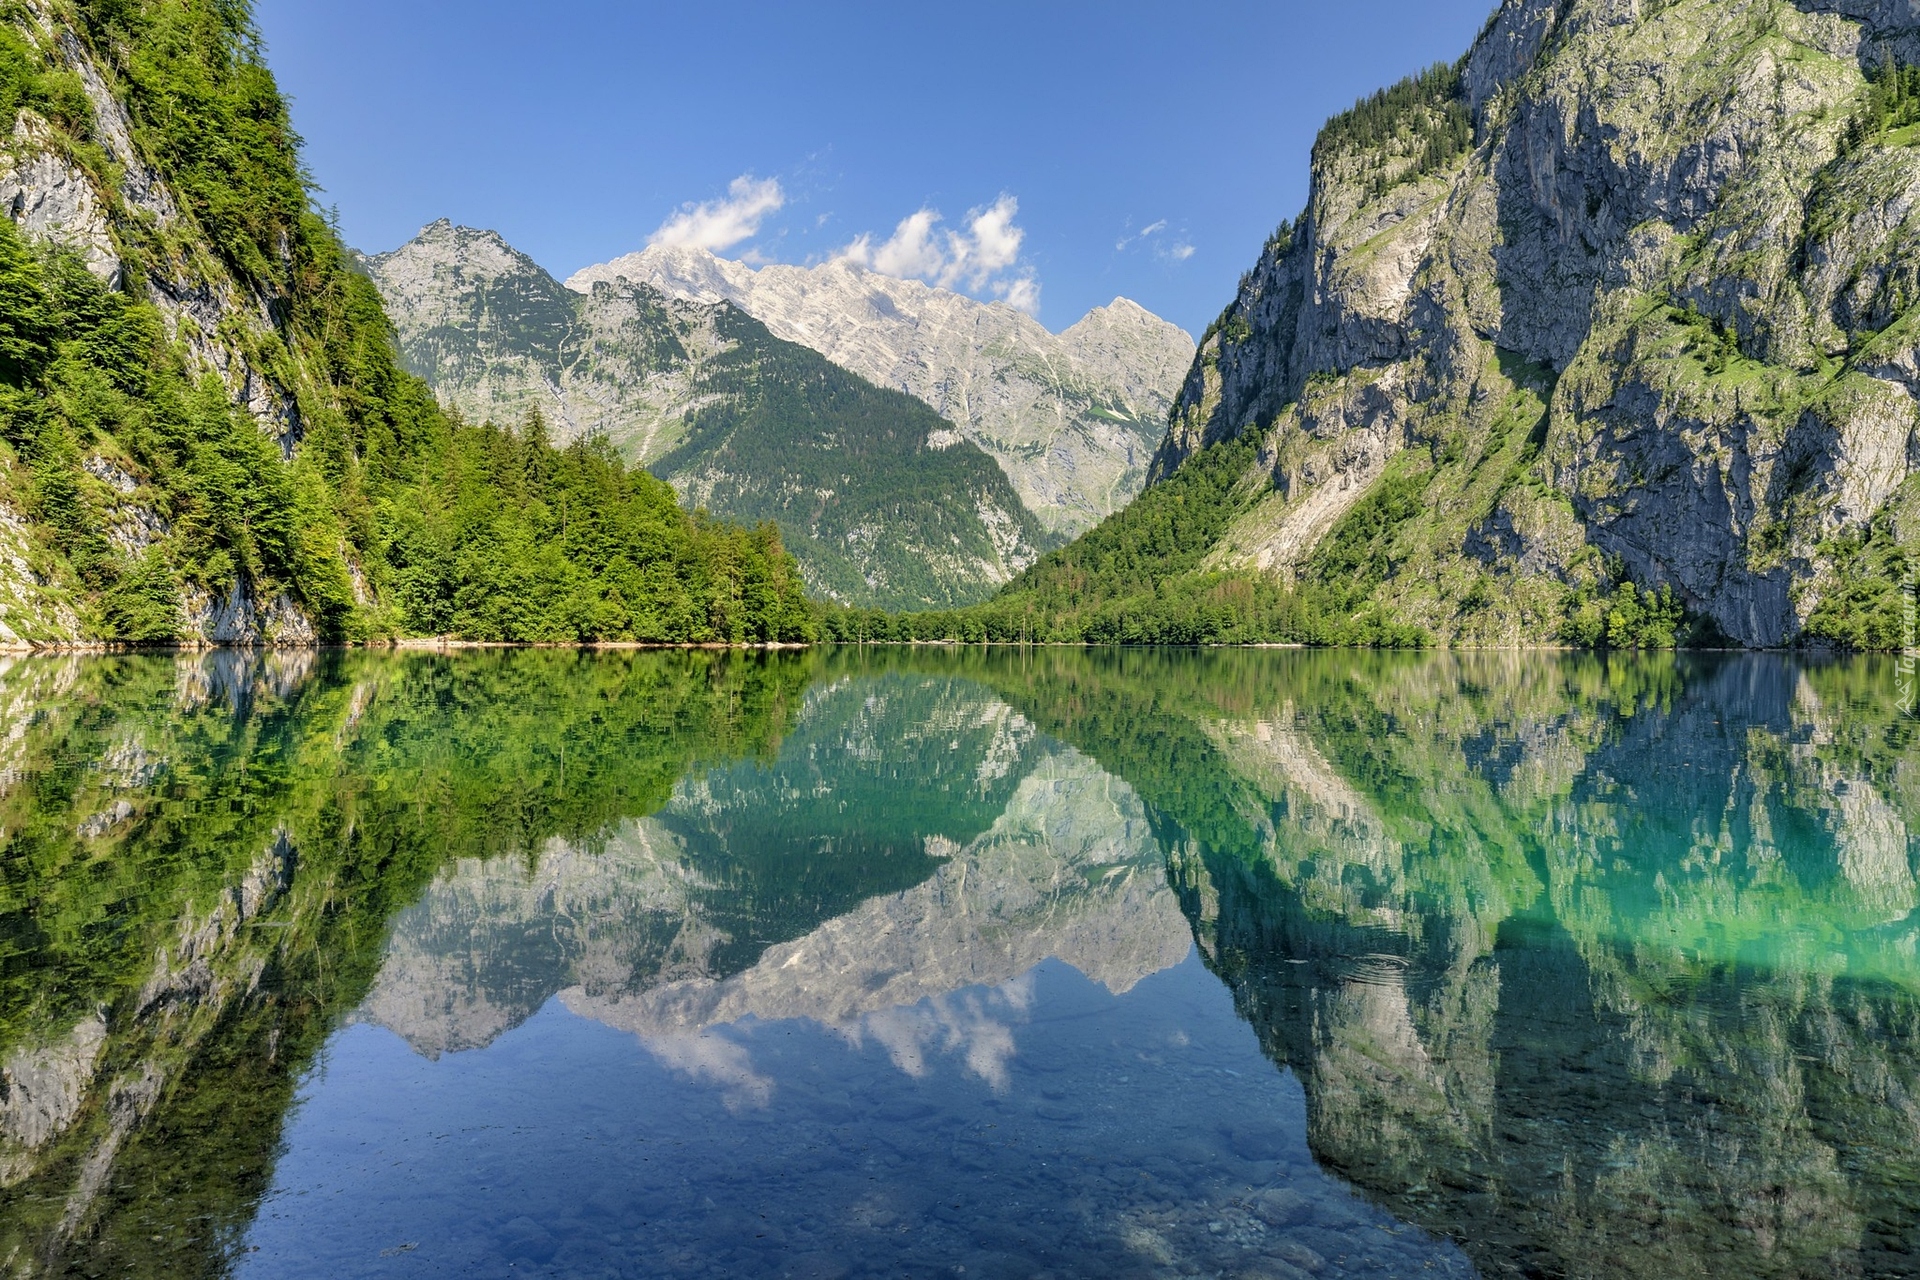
x,y
1023,295
1151,229
991,245
721,224
982,258
913,252
1172,249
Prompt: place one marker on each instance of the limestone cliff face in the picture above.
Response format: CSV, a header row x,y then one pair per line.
x,y
1654,320
219,320
1072,418
132,232
497,336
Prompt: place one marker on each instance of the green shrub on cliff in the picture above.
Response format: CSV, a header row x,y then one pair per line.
x,y
1424,120
1892,101
1867,606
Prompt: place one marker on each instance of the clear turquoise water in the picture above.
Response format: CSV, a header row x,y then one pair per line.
x,y
914,963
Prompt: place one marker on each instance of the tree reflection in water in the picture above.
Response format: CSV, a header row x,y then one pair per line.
x,y
1603,967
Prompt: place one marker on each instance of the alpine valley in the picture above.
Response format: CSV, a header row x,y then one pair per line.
x,y
758,394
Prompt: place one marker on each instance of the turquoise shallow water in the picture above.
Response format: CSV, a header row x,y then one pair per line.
x,y
905,963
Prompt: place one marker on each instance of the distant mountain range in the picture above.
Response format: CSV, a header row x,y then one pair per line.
x,y
712,375
1074,418
874,493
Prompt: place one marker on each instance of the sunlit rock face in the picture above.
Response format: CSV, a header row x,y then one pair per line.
x,y
51,200
1650,304
496,336
1073,418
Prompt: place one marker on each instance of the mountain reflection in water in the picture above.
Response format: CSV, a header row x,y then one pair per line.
x,y
1592,967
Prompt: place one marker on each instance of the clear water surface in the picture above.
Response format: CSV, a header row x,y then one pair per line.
x,y
962,964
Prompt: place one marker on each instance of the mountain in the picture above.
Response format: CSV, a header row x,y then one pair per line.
x,y
1073,418
1607,334
874,493
205,433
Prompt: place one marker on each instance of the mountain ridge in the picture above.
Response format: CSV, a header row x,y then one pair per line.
x,y
875,499
1073,418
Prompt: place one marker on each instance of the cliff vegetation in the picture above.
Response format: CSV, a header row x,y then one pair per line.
x,y
207,434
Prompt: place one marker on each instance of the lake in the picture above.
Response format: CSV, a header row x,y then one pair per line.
x,y
958,963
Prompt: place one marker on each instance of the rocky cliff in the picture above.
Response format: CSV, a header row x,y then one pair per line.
x,y
876,496
78,173
1073,417
1625,295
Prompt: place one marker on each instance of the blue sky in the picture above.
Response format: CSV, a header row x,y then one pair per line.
x,y
1053,155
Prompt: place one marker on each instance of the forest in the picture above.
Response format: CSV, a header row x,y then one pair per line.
x,y
147,493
